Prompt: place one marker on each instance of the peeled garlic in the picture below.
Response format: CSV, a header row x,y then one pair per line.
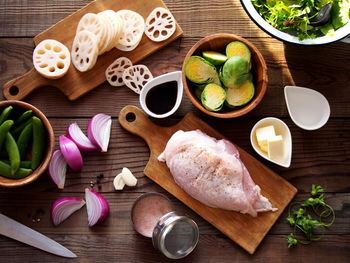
x,y
124,178
128,178
118,182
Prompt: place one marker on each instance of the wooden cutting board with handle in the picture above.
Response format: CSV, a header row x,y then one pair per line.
x,y
245,230
75,84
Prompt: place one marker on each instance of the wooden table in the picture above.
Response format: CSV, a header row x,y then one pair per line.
x,y
319,157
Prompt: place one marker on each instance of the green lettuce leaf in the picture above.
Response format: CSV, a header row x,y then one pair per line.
x,y
340,13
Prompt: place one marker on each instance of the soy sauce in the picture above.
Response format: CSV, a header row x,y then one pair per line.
x,y
162,98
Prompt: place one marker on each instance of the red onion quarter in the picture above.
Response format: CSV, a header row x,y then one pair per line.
x,y
62,208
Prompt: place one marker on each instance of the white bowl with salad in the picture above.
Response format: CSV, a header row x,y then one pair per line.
x,y
303,22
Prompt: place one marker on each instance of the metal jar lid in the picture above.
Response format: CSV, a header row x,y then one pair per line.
x,y
175,236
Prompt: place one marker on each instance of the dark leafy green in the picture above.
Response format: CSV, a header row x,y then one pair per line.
x,y
293,16
309,218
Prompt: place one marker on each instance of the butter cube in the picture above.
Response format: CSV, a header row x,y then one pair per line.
x,y
276,148
262,136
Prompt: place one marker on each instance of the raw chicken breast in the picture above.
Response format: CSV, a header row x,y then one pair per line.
x,y
211,171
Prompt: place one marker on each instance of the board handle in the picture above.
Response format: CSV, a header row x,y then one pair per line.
x,y
137,122
20,87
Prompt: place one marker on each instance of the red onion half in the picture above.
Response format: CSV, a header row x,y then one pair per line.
x,y
99,130
58,169
76,135
63,207
71,153
97,207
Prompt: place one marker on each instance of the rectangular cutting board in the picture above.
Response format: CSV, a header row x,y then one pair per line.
x,y
245,230
75,84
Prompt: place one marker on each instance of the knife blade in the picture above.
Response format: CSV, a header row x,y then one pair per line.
x,y
24,234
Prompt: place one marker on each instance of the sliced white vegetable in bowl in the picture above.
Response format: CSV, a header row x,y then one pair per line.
x,y
51,59
84,50
160,24
308,108
283,157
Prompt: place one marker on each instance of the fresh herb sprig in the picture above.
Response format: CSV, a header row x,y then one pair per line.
x,y
308,216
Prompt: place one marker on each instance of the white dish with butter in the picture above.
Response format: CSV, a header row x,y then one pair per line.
x,y
308,108
273,144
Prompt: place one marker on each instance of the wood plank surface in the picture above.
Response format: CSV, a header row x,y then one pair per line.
x,y
320,157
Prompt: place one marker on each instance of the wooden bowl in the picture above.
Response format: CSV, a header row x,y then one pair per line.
x,y
50,144
218,42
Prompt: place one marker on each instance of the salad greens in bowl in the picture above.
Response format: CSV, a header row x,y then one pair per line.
x,y
305,22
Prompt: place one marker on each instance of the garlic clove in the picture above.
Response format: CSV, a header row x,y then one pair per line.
x,y
118,182
128,178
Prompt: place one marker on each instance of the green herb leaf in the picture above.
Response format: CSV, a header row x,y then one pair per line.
x,y
316,189
292,241
301,218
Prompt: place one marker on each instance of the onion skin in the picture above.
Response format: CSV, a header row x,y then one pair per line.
x,y
63,207
58,169
99,207
99,129
79,138
71,153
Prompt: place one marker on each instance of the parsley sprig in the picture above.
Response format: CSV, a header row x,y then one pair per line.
x,y
309,217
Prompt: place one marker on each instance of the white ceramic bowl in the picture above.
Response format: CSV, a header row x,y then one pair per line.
x,y
339,34
308,108
172,76
281,129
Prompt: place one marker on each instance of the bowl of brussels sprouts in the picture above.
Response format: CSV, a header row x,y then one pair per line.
x,y
224,75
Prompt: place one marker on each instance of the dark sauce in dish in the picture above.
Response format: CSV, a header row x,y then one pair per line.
x,y
162,98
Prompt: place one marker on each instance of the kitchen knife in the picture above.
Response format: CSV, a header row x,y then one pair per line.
x,y
17,231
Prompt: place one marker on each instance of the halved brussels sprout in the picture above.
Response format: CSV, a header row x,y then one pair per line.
x,y
213,97
200,71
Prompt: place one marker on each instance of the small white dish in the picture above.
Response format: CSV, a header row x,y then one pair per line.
x,y
308,108
168,77
281,129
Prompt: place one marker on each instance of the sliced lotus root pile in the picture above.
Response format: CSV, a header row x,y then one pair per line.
x,y
134,27
106,26
51,59
84,50
114,73
160,24
114,25
122,29
135,77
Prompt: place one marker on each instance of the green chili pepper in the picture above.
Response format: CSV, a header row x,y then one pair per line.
x,y
5,114
4,128
26,164
17,129
22,172
5,170
38,142
13,152
24,117
24,139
